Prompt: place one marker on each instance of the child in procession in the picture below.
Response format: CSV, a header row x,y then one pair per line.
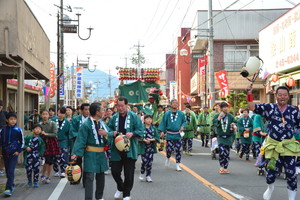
x,y
225,127
63,126
34,149
49,135
11,141
245,128
148,148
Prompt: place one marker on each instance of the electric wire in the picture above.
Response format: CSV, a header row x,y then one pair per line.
x,y
163,27
152,18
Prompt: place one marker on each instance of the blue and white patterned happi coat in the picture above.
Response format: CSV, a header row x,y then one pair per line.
x,y
275,123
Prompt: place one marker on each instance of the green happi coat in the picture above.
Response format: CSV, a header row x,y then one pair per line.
x,y
94,162
173,125
156,136
27,143
54,118
190,127
156,117
75,125
203,121
259,125
241,125
135,126
224,137
63,133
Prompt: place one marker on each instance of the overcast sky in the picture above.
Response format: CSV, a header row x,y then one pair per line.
x,y
121,24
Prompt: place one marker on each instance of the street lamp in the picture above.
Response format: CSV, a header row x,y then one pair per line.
x,y
90,29
184,53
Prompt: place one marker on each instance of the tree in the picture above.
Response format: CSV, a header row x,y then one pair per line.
x,y
236,101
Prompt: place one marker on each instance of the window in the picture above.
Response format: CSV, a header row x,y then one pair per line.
x,y
236,55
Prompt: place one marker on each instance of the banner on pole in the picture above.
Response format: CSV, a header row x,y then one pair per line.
x,y
62,88
202,63
79,82
173,90
223,83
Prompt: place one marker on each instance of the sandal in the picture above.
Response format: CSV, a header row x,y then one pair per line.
x,y
221,171
225,171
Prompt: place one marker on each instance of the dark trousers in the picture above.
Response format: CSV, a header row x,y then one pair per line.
x,y
224,151
33,165
79,163
289,164
129,167
89,187
10,163
61,160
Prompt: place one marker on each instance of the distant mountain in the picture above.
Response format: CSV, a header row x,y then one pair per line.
x,y
100,79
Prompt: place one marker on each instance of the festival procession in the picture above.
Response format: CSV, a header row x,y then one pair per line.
x,y
163,100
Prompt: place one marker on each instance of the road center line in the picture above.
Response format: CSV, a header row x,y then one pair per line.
x,y
58,190
205,182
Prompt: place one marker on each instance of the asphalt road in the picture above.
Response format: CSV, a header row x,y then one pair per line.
x,y
198,180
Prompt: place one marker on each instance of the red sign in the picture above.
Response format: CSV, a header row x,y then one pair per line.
x,y
223,82
52,80
202,62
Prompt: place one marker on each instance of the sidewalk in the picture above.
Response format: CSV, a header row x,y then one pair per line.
x,y
20,178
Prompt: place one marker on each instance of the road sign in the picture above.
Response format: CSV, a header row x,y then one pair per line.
x,y
69,28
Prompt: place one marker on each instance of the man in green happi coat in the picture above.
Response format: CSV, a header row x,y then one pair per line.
x,y
75,126
90,144
203,121
225,125
245,127
172,125
189,129
129,124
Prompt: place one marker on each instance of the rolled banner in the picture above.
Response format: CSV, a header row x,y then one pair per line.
x,y
181,133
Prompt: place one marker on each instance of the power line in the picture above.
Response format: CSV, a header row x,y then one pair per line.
x,y
160,19
152,18
165,22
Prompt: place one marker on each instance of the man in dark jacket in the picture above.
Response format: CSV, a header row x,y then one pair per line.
x,y
2,124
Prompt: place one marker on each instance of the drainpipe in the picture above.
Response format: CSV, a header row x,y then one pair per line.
x,y
21,77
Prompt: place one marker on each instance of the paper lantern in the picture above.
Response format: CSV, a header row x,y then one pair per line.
x,y
290,82
193,100
209,97
274,78
182,96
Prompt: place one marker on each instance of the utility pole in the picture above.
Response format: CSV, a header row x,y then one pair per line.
x,y
211,54
139,58
61,45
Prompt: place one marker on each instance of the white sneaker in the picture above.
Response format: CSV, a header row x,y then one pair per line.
x,y
268,192
148,179
167,163
292,194
126,198
178,168
118,195
141,177
56,174
63,175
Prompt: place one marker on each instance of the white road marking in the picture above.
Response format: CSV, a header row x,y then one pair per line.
x,y
238,196
58,190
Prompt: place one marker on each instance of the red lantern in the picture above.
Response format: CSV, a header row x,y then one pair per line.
x,y
209,97
274,78
193,100
182,96
290,82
